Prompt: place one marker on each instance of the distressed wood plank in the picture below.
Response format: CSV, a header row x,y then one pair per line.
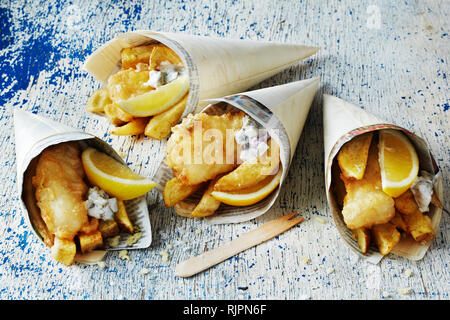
x,y
396,69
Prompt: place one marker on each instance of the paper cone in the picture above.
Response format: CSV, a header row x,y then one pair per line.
x,y
217,67
33,134
343,121
277,109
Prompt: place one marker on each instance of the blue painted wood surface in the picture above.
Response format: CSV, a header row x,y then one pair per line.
x,y
388,58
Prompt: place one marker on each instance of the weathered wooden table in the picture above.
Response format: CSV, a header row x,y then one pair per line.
x,y
390,59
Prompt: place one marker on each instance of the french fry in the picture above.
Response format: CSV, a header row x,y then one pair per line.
x,y
406,203
116,115
208,204
352,157
64,251
160,125
362,235
134,127
122,219
98,100
92,226
108,228
89,242
398,221
134,55
162,53
338,185
419,226
386,237
176,191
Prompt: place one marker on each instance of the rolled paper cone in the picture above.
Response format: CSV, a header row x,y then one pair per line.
x,y
33,134
216,67
342,121
276,109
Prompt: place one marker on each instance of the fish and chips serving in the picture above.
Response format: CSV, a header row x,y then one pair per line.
x,y
383,185
79,198
147,95
228,158
374,176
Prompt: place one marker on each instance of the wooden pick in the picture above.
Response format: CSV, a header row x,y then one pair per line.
x,y
250,239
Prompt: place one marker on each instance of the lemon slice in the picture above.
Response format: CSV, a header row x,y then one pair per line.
x,y
156,101
251,195
114,178
399,163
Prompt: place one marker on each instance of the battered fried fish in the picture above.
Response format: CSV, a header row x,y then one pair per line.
x,y
60,189
365,203
197,149
250,173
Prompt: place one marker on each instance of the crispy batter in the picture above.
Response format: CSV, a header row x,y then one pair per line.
x,y
60,189
365,204
250,173
201,157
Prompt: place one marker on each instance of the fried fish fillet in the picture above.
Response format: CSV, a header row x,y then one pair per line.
x,y
60,189
365,203
202,146
250,173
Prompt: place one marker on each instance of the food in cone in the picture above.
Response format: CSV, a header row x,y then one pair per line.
x,y
228,158
376,182
78,197
147,95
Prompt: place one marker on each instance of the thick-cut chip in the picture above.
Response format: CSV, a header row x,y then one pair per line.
x,y
250,173
406,203
386,237
161,124
176,191
134,127
89,242
398,221
133,55
419,226
108,228
126,84
162,53
117,116
64,251
208,204
338,185
98,100
121,217
363,237
91,226
353,155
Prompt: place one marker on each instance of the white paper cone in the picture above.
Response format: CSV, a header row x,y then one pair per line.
x,y
33,134
217,67
343,121
276,109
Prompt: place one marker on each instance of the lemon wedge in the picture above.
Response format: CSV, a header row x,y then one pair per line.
x,y
114,178
156,101
251,195
399,163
